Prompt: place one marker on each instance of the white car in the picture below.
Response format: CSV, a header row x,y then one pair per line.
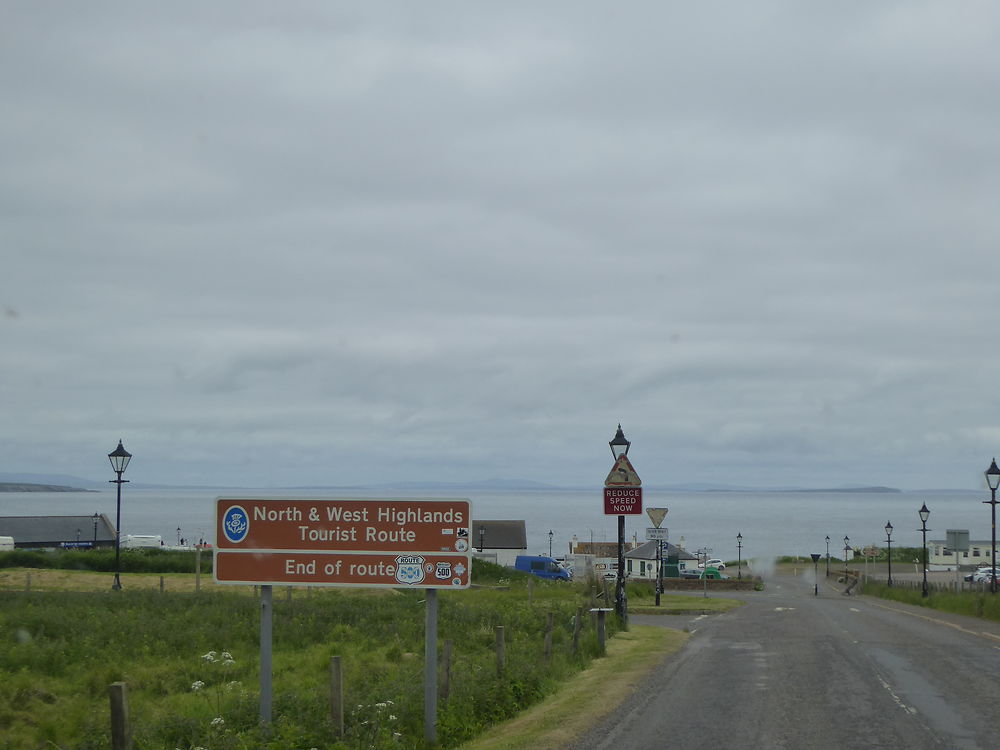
x,y
713,563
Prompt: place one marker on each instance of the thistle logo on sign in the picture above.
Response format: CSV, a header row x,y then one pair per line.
x,y
236,524
410,569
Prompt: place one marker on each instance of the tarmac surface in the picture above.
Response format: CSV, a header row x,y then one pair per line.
x,y
793,669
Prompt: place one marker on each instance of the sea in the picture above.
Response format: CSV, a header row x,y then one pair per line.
x,y
772,523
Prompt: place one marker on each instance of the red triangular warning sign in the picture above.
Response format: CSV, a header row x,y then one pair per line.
x,y
622,474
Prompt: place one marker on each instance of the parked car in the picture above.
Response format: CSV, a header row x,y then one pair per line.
x,y
690,574
713,563
983,575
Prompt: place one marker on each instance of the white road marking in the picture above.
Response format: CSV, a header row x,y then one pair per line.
x,y
899,701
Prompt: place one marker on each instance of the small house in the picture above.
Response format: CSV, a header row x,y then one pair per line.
x,y
499,542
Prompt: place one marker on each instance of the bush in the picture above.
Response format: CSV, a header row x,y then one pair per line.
x,y
143,560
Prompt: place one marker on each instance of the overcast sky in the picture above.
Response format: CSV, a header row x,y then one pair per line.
x,y
336,243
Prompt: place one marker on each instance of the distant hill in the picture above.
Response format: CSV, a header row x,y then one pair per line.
x,y
713,487
59,480
30,487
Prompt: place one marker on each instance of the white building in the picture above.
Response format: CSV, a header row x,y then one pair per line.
x,y
940,556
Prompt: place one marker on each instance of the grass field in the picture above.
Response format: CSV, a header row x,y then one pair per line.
x,y
65,639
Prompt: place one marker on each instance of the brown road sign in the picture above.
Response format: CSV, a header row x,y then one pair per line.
x,y
347,524
388,542
348,569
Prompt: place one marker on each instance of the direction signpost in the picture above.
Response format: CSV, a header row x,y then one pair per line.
x,y
349,542
656,515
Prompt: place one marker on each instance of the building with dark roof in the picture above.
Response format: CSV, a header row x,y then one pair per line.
x,y
499,541
58,532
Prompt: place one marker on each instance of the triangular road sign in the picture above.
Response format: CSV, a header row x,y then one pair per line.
x,y
622,474
656,515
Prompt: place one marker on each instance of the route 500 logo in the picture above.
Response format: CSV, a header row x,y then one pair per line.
x,y
409,569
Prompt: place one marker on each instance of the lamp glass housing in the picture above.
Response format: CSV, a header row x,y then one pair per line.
x,y
619,445
119,458
888,528
924,513
993,475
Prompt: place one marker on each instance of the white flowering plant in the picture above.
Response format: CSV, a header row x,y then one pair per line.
x,y
221,684
374,725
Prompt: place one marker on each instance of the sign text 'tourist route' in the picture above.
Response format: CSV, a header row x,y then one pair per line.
x,y
419,543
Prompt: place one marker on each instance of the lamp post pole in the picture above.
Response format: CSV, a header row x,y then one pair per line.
x,y
924,515
888,546
993,480
482,533
550,542
847,548
815,556
619,447
119,458
739,556
827,555
95,519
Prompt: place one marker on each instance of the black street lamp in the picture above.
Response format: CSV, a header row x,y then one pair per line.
x,y
993,480
739,556
888,546
847,548
827,555
119,458
815,556
924,515
482,534
550,542
619,447
95,518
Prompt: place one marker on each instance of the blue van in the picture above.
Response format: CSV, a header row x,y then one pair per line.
x,y
543,567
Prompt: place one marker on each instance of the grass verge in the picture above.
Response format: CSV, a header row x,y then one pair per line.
x,y
971,603
686,605
583,702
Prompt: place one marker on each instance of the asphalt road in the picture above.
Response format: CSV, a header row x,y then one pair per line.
x,y
793,670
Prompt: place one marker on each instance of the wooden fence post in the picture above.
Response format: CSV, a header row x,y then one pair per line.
x,y
501,656
121,725
548,637
577,625
337,695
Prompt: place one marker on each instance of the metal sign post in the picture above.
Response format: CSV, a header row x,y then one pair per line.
x,y
266,639
430,667
656,515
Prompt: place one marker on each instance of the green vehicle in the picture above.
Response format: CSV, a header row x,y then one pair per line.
x,y
713,574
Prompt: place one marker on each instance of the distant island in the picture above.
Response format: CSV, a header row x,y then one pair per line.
x,y
30,487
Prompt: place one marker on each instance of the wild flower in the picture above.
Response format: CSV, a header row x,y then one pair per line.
x,y
373,725
215,690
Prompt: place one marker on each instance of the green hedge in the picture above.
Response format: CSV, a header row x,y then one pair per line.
x,y
146,560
